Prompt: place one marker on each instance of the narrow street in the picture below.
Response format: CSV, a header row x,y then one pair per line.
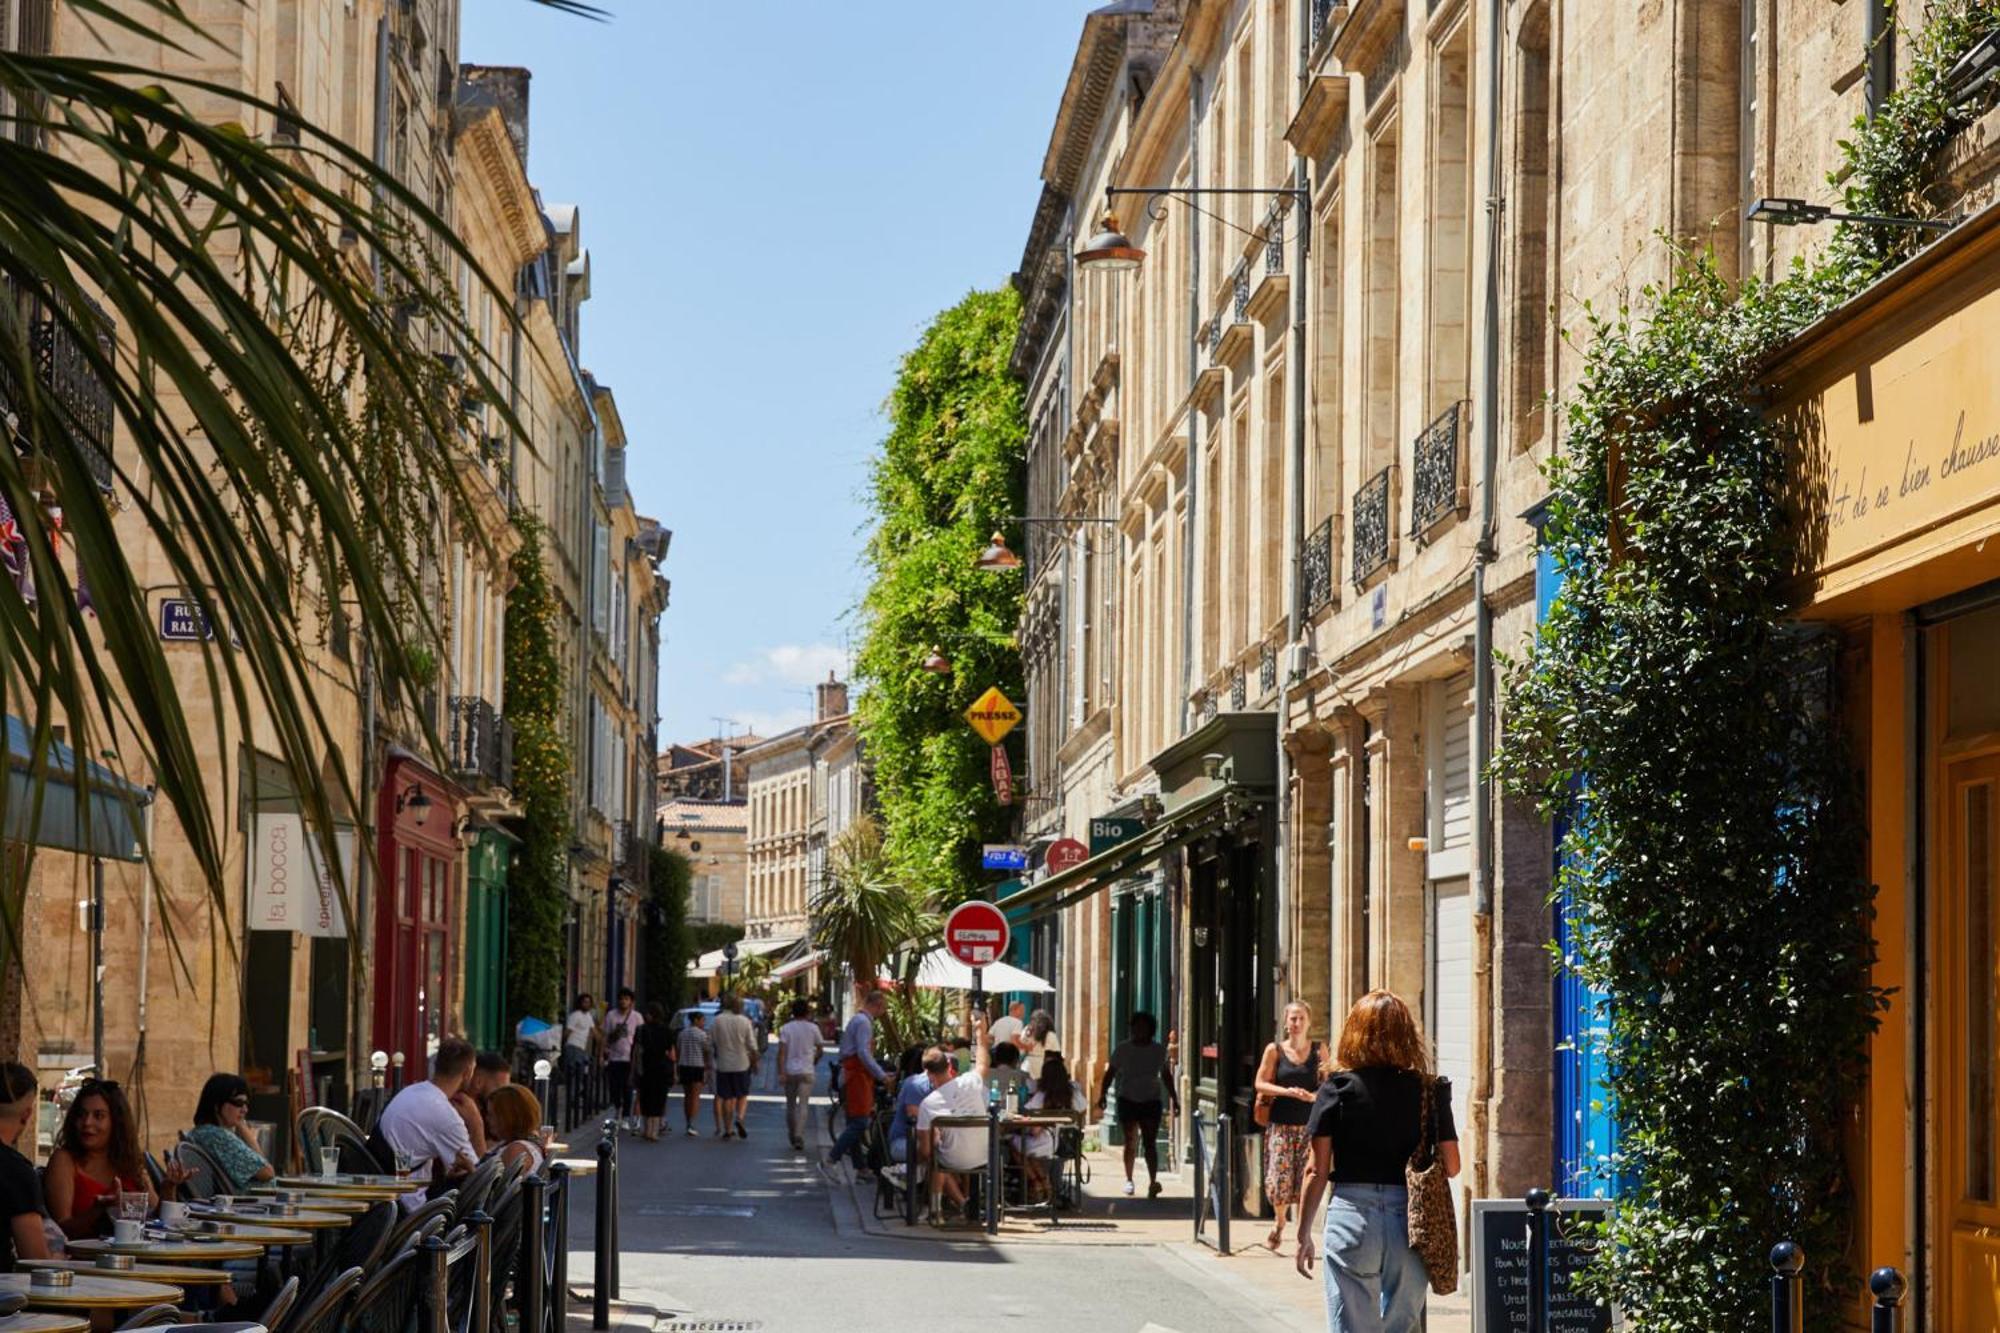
x,y
749,1234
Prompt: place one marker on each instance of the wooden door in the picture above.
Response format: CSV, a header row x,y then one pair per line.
x,y
1969,1120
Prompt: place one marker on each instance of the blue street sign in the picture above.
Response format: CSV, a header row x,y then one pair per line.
x,y
1003,856
183,621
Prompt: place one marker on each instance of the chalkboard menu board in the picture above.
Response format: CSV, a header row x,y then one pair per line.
x,y
1499,1275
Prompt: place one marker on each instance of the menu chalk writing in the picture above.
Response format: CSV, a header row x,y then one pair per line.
x,y
1500,1267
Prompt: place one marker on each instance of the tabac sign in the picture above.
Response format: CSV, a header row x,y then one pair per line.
x,y
993,715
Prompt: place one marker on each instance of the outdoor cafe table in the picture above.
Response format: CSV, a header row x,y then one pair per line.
x,y
303,1220
318,1203
1008,1124
43,1323
354,1187
172,1251
91,1293
181,1275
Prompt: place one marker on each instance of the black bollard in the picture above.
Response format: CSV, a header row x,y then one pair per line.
x,y
1538,1261
1889,1288
1225,1179
1200,1172
560,1181
437,1296
993,1164
617,1211
482,1269
600,1294
530,1292
1788,1293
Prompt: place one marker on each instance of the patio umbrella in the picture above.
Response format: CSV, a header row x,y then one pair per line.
x,y
940,971
85,807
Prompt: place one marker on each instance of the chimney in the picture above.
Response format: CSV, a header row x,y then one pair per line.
x,y
830,698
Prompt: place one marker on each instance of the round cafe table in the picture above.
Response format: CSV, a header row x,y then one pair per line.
x,y
318,1203
270,1237
384,1186
303,1220
180,1275
178,1251
92,1293
43,1323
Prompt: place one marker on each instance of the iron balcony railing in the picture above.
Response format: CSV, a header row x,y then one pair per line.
x,y
1437,471
1316,567
481,742
1322,17
65,371
1374,524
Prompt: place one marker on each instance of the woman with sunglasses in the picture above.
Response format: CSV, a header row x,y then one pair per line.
x,y
222,1130
96,1158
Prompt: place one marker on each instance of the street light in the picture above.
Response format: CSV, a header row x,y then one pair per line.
x,y
997,556
1108,251
1800,212
417,799
936,663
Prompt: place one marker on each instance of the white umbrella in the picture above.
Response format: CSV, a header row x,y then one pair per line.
x,y
940,971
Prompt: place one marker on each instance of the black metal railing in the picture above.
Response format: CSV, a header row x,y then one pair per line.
x,y
1214,336
1274,239
66,372
481,741
1437,471
1239,305
1322,18
1374,524
1239,691
1267,671
1316,568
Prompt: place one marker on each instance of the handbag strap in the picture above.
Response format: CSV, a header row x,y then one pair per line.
x,y
1426,1149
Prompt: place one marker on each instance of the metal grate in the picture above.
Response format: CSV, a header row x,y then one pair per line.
x,y
1437,471
1374,517
1316,567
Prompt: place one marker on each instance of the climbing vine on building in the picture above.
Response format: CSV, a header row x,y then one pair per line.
x,y
949,473
669,941
537,888
1673,708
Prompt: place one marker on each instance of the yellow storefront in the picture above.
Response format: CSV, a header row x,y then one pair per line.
x,y
1896,400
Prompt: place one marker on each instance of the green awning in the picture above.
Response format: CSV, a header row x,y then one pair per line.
x,y
1175,829
83,807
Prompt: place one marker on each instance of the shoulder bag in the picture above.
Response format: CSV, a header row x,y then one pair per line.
x,y
1433,1226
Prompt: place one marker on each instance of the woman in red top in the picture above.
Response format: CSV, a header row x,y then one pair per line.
x,y
96,1155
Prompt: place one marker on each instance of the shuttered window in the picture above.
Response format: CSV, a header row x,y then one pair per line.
x,y
1448,748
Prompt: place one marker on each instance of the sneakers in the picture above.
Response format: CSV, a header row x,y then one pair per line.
x,y
1153,1190
693,1133
1128,1189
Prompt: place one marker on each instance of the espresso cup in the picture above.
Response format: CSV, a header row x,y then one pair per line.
x,y
128,1231
173,1213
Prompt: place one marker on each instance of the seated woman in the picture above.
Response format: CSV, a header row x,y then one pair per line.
x,y
515,1116
222,1130
24,1235
96,1158
1054,1091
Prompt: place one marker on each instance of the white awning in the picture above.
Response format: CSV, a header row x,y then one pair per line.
x,y
711,962
940,971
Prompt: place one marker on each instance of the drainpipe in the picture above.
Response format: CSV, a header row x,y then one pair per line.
x,y
1482,628
1879,41
1194,417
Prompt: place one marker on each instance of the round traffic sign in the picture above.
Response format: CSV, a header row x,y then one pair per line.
x,y
729,951
1065,854
976,934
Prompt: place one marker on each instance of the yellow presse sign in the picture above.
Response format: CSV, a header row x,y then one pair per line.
x,y
993,715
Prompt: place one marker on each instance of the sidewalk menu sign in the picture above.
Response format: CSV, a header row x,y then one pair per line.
x,y
1499,1277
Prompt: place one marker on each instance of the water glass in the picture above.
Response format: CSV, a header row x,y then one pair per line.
x,y
133,1205
329,1163
406,1164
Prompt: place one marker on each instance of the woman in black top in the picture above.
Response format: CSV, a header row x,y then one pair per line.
x,y
1288,1075
655,1053
1365,1123
24,1235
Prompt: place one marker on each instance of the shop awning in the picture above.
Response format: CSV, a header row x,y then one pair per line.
x,y
805,962
710,963
1198,817
940,971
84,807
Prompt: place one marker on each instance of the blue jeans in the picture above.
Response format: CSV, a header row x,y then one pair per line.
x,y
1374,1281
849,1142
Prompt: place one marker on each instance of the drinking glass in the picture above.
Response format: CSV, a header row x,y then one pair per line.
x,y
406,1164
133,1205
329,1163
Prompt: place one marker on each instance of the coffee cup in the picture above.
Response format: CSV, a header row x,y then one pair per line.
x,y
222,1203
173,1213
128,1231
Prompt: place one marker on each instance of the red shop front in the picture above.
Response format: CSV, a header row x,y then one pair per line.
x,y
417,864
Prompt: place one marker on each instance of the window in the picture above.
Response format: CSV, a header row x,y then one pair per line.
x,y
600,577
1378,352
1448,234
1530,359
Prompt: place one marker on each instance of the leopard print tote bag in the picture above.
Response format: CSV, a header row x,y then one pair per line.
x,y
1433,1225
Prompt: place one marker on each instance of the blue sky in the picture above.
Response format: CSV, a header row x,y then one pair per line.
x,y
776,197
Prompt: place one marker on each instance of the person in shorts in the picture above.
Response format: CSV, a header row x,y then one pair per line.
x,y
692,1055
1145,1082
737,1049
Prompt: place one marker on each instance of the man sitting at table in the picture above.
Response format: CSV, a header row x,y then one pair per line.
x,y
956,1152
422,1122
936,1072
490,1070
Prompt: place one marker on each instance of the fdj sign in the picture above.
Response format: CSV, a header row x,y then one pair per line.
x,y
182,620
1003,856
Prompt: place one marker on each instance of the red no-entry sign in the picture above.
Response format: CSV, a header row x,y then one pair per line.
x,y
976,934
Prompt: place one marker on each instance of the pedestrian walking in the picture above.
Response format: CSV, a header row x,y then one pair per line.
x,y
1037,1041
1145,1080
860,1072
579,1032
799,1046
656,1071
736,1055
692,1055
1366,1122
1287,1078
621,1029
1008,1028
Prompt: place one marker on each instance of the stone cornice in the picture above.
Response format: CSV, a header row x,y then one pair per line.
x,y
492,153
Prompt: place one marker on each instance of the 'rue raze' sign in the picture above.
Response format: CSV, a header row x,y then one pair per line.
x,y
1499,1275
182,620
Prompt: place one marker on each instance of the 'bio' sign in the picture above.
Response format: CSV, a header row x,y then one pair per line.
x,y
976,934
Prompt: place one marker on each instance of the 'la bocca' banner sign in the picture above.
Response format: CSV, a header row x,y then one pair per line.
x,y
291,887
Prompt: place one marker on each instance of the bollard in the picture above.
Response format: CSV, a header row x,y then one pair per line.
x,y
1788,1293
617,1211
437,1296
1200,1172
600,1293
1889,1289
993,1161
482,1269
1538,1261
558,1269
1224,1179
530,1292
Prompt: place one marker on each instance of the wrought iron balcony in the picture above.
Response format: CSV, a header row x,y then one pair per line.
x,y
1374,524
1274,239
1239,306
1316,568
1323,15
1239,691
481,742
1437,471
63,366
1267,671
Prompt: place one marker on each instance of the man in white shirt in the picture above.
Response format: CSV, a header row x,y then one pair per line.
x,y
579,1031
421,1121
736,1055
799,1046
957,1152
1008,1029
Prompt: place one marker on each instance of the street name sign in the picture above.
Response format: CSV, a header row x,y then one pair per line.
x,y
1003,856
993,715
1065,854
976,934
182,620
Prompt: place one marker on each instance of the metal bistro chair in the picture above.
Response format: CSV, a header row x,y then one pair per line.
x,y
387,1302
207,1178
326,1312
477,1188
505,1250
274,1312
411,1227
458,1278
324,1127
153,1316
